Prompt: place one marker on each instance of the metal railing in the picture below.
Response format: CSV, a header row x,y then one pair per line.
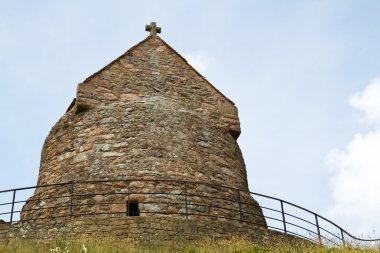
x,y
185,199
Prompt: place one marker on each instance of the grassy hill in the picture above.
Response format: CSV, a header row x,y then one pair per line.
x,y
112,245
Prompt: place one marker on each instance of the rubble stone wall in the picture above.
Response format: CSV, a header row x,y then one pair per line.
x,y
142,229
197,201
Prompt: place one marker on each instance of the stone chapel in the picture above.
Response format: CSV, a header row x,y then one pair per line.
x,y
148,146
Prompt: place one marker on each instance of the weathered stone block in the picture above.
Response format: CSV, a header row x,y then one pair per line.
x,y
80,158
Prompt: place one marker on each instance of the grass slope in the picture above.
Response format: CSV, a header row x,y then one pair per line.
x,y
111,245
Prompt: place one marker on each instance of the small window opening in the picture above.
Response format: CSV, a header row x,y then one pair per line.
x,y
133,208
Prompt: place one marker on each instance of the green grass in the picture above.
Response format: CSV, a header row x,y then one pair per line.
x,y
112,245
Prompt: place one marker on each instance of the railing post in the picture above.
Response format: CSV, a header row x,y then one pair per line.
x,y
283,216
240,210
71,198
343,241
186,207
13,205
318,230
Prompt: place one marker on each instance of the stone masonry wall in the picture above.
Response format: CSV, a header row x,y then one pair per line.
x,y
139,229
195,201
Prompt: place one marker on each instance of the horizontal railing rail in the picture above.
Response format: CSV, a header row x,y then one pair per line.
x,y
280,215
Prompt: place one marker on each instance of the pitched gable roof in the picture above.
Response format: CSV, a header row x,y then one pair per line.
x,y
171,49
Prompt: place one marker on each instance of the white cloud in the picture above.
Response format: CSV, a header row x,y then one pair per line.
x,y
356,181
199,60
369,101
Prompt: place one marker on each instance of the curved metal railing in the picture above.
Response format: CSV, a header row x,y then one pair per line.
x,y
280,215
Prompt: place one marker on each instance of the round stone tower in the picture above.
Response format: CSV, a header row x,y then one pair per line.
x,y
147,136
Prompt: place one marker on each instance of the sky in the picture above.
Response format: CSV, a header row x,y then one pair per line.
x,y
304,75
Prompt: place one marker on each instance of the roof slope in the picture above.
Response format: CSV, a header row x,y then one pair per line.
x,y
132,49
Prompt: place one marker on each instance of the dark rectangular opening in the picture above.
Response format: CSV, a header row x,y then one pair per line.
x,y
133,208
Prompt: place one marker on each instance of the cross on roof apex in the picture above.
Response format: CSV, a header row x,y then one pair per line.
x,y
153,29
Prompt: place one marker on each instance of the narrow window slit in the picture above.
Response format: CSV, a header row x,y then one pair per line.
x,y
133,208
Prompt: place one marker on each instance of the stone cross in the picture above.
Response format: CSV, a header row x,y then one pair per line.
x,y
153,29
